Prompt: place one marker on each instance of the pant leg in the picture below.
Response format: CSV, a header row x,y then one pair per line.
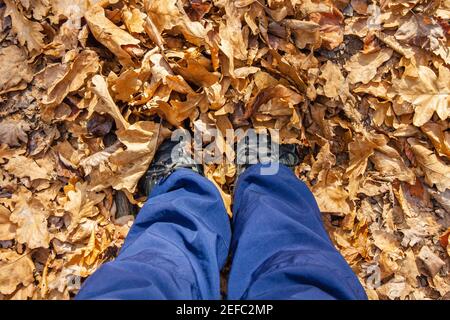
x,y
280,247
175,248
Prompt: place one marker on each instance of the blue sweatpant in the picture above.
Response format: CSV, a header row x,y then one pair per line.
x,y
182,236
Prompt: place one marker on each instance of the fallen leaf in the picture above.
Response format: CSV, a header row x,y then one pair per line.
x,y
15,72
28,32
105,102
435,170
13,133
81,204
15,269
31,223
85,64
428,93
7,229
111,36
22,167
362,67
431,261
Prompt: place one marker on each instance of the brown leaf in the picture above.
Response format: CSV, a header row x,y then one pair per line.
x,y
22,167
273,92
390,164
110,35
81,204
127,166
427,92
13,133
334,80
431,261
435,170
85,64
7,229
105,103
15,269
31,223
15,72
197,73
439,137
362,67
134,19
28,32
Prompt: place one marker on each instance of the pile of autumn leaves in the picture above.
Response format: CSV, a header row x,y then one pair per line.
x,y
89,89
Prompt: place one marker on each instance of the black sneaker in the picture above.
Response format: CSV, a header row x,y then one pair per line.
x,y
249,151
171,155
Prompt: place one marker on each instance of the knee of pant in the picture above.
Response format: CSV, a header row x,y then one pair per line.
x,y
326,270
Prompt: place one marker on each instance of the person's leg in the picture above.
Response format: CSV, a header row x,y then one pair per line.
x,y
280,248
175,248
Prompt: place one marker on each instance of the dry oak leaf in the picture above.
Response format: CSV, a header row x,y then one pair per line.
x,y
31,220
233,41
428,93
329,191
126,85
362,67
408,267
161,71
443,198
39,8
111,36
331,29
431,261
435,170
168,14
7,153
82,204
395,288
227,199
141,139
28,32
85,260
99,159
360,150
15,72
439,137
390,164
334,80
23,293
15,269
85,64
197,73
134,19
13,132
272,92
424,32
105,103
7,229
72,9
125,167
22,167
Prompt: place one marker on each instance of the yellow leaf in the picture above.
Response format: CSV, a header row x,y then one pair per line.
x,y
22,167
7,229
110,35
15,72
31,220
28,32
15,269
81,204
435,170
85,64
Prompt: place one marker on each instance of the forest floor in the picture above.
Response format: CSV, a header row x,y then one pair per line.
x,y
89,89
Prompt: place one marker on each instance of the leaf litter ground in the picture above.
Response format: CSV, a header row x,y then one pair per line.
x,y
89,89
